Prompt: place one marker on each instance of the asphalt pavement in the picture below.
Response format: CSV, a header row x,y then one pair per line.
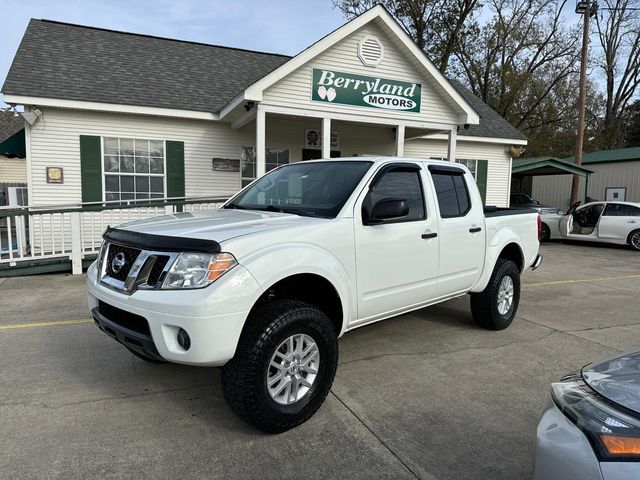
x,y
427,395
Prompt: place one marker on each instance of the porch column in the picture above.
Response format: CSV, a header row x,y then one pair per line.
x,y
400,140
326,138
451,148
260,141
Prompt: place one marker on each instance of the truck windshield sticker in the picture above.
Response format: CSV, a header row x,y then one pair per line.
x,y
364,91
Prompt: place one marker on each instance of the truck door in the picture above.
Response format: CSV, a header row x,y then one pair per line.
x,y
462,235
397,258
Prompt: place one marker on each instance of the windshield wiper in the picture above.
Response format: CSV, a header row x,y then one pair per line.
x,y
236,206
273,208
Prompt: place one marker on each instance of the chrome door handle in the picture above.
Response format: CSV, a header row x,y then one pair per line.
x,y
429,235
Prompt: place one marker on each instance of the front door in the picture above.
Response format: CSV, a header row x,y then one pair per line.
x,y
461,230
583,222
396,260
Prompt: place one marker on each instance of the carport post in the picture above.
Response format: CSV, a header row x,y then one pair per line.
x,y
260,141
400,140
326,138
451,149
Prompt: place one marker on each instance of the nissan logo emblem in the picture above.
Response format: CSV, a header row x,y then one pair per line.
x,y
118,262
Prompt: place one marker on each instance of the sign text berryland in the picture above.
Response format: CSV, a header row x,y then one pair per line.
x,y
364,91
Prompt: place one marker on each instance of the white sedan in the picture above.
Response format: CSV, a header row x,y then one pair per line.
x,y
606,222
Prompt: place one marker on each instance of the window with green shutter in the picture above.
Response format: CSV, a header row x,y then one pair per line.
x,y
175,169
90,170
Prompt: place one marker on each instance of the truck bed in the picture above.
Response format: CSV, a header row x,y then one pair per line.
x,y
491,211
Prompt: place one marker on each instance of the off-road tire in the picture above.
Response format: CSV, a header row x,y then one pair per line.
x,y
244,377
545,233
634,246
144,357
484,305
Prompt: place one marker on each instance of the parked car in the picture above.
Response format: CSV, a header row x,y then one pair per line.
x,y
608,222
589,428
267,284
550,224
522,200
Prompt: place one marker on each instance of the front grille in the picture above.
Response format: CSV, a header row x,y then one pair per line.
x,y
156,271
130,256
123,318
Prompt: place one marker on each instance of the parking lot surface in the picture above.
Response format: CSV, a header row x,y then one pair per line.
x,y
426,395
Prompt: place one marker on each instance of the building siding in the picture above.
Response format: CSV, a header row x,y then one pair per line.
x,y
498,166
555,190
13,170
55,142
294,90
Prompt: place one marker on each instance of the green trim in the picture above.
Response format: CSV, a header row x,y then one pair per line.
x,y
482,168
523,166
175,169
91,168
15,145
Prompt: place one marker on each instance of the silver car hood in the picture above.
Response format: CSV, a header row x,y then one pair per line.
x,y
616,378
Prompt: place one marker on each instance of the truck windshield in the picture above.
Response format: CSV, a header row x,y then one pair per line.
x,y
314,189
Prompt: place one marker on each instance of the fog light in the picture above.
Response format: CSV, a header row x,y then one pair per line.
x,y
183,339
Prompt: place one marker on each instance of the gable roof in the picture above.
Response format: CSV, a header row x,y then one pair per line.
x,y
605,156
379,14
546,166
9,124
74,62
57,60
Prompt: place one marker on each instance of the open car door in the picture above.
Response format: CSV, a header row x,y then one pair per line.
x,y
566,222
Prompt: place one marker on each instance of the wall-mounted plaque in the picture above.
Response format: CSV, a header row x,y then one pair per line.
x,y
55,175
225,164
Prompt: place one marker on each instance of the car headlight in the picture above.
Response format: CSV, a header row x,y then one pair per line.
x,y
197,270
614,434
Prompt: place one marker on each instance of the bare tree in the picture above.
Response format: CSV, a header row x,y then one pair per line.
x,y
436,26
520,61
618,28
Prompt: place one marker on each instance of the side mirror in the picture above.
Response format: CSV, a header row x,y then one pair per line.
x,y
388,209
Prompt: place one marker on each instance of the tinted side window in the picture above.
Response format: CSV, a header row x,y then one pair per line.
x,y
453,196
398,184
621,210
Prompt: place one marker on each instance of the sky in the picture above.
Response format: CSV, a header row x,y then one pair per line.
x,y
282,26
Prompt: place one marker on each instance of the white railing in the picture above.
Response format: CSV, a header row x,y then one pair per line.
x,y
74,232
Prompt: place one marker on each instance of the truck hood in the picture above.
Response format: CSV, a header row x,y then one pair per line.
x,y
617,378
219,225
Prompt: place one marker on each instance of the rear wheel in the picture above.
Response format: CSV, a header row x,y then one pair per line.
x,y
545,233
634,240
283,367
495,307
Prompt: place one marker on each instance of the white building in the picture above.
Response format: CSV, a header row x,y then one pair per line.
x,y
118,116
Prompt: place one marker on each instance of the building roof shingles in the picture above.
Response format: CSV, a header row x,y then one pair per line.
x,y
9,124
74,62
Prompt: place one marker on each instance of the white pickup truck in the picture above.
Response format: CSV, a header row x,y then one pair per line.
x,y
265,285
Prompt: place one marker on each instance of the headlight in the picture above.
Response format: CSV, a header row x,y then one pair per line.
x,y
615,435
197,270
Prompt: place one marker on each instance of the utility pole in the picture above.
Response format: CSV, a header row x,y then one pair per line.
x,y
587,10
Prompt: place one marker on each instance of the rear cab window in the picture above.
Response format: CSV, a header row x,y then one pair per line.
x,y
451,191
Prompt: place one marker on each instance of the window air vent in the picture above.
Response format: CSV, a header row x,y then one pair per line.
x,y
370,51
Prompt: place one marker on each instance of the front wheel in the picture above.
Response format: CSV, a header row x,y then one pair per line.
x,y
283,367
495,307
545,233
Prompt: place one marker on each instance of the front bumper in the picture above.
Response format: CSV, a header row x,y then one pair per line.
x,y
563,452
212,316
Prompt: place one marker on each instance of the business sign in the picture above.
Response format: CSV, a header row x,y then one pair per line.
x,y
313,139
364,91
